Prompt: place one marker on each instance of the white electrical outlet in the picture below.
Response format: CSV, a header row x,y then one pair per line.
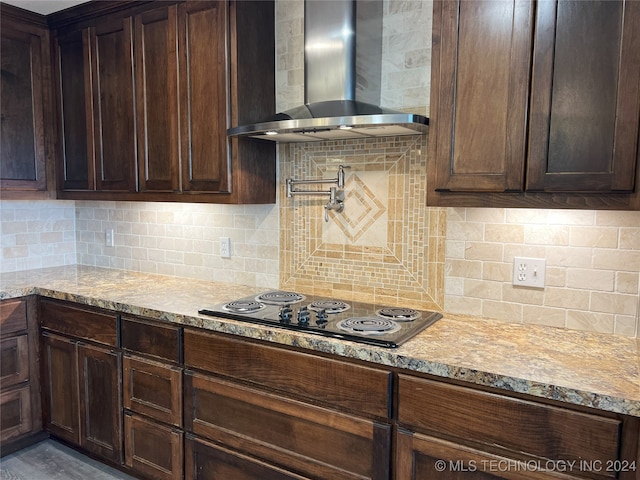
x,y
109,238
225,247
529,272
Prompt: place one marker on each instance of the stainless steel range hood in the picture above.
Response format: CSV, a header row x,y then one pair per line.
x,y
343,64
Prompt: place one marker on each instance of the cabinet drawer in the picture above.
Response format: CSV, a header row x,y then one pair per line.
x,y
364,390
205,460
151,339
15,413
319,442
13,316
506,424
87,324
152,449
14,360
153,389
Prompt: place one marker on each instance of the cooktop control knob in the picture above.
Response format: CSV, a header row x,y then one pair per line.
x,y
303,316
321,318
285,314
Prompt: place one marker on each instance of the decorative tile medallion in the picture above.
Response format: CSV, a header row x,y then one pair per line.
x,y
385,246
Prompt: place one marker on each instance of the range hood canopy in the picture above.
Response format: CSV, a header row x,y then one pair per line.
x,y
343,63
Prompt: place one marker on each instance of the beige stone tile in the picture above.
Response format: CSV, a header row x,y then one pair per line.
x,y
483,251
504,233
463,268
602,237
627,282
623,260
614,303
529,296
482,289
618,218
630,238
552,317
486,215
497,271
578,257
591,279
591,322
626,325
556,276
463,305
505,311
546,235
567,298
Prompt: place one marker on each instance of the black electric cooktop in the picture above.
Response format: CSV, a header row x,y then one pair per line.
x,y
358,322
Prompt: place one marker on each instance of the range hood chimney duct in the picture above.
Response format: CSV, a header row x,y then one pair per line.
x,y
343,65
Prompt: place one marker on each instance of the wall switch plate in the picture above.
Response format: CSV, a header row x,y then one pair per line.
x,y
225,247
109,238
529,272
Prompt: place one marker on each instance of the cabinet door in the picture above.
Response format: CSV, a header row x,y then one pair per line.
x,y
480,86
153,389
22,136
113,120
14,361
76,157
157,99
15,413
585,108
419,457
203,96
206,460
60,387
152,449
99,373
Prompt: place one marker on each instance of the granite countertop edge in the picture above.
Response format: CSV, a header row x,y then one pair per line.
x,y
401,357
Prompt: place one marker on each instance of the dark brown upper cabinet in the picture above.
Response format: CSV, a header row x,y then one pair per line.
x,y
535,104
95,85
24,104
158,86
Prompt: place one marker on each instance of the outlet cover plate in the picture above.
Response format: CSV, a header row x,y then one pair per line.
x,y
225,247
529,272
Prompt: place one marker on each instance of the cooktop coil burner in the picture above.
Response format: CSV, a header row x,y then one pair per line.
x,y
378,325
329,306
243,306
280,298
368,325
398,314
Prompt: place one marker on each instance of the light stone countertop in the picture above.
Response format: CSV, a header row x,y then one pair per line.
x,y
582,368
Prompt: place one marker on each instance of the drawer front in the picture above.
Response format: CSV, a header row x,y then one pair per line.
x,y
361,389
153,389
515,425
14,361
151,449
205,460
319,442
15,413
13,316
152,339
76,322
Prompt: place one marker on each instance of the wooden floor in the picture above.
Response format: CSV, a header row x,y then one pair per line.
x,y
49,460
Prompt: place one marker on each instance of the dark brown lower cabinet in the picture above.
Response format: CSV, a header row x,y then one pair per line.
x,y
82,387
454,432
422,457
153,449
15,413
207,460
20,413
288,434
